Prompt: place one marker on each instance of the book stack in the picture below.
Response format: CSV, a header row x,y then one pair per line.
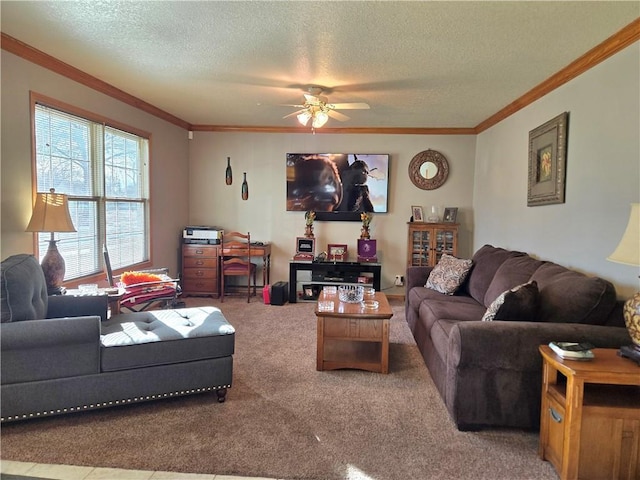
x,y
573,350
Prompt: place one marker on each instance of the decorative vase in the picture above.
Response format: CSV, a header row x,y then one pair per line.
x,y
308,231
433,217
228,174
364,233
245,187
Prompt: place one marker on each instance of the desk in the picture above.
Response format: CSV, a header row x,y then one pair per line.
x,y
332,273
201,269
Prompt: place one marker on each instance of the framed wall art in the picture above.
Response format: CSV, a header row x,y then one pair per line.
x,y
547,162
450,215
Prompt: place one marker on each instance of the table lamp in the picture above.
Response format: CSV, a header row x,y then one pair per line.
x,y
628,253
51,214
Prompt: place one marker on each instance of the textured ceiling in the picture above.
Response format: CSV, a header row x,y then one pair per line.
x,y
417,64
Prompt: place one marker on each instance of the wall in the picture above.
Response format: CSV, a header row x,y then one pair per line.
x,y
168,169
603,174
262,156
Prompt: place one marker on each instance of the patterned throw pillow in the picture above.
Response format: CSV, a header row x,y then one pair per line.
x,y
520,304
448,274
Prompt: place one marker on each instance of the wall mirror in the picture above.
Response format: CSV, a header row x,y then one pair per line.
x,y
428,170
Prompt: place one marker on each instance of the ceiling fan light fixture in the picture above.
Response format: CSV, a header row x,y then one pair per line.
x,y
304,117
319,119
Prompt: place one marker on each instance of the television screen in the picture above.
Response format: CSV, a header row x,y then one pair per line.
x,y
339,184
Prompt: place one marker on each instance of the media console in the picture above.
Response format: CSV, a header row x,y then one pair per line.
x,y
330,273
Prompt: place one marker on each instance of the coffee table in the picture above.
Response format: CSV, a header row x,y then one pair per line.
x,y
351,335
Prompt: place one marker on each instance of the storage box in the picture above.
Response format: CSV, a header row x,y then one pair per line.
x,y
279,293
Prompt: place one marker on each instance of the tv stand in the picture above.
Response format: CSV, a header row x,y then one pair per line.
x,y
331,273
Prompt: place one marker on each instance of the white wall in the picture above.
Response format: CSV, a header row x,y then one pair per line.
x,y
168,169
262,156
603,174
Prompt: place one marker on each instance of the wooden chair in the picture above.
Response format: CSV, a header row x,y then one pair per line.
x,y
235,260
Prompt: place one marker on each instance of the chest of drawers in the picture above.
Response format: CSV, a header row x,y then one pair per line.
x,y
200,270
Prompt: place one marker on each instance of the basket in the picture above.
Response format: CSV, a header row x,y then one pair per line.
x,y
351,293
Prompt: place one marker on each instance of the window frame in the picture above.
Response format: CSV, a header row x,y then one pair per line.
x,y
43,100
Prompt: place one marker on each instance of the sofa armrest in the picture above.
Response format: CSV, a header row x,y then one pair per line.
x,y
416,277
34,350
514,345
77,306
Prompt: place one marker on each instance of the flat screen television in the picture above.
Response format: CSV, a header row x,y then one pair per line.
x,y
337,186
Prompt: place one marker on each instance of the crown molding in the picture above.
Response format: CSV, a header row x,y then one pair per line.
x,y
612,45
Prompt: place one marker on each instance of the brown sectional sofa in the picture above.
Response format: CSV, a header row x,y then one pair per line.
x,y
489,372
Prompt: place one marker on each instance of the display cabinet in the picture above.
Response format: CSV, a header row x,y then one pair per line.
x,y
427,242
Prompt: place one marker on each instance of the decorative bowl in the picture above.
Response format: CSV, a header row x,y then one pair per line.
x,y
350,293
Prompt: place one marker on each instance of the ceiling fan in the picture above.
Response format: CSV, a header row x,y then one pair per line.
x,y
317,108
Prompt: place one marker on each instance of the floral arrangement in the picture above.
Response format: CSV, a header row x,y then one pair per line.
x,y
366,218
309,217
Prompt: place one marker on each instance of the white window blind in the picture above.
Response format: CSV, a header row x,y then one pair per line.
x,y
104,171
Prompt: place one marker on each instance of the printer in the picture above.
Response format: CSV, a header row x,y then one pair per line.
x,y
202,235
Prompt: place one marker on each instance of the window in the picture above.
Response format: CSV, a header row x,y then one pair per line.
x,y
104,172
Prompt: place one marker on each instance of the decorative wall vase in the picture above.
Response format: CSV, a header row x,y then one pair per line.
x,y
245,187
228,174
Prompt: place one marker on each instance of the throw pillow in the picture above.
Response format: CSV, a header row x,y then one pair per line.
x,y
519,303
447,276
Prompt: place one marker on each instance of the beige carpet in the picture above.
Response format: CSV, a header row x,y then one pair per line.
x,y
283,419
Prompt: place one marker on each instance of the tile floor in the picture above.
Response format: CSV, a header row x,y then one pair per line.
x,y
70,472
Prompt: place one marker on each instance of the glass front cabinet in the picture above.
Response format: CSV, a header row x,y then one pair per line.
x,y
428,241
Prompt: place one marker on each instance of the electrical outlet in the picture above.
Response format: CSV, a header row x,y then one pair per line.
x,y
399,281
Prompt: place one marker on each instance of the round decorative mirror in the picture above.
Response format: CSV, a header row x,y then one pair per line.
x,y
428,170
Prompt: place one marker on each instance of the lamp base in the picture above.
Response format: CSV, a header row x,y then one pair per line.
x,y
53,267
630,351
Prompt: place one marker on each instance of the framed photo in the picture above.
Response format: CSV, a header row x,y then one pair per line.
x,y
450,214
547,162
416,213
337,252
305,248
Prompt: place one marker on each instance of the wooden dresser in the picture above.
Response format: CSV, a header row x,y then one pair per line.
x,y
200,270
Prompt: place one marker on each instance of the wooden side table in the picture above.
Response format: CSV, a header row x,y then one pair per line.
x,y
590,418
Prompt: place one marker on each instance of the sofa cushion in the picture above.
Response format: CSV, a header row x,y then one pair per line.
x,y
486,262
449,273
456,307
162,337
514,271
520,303
567,296
24,289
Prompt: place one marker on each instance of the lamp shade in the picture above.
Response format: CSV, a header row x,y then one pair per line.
x,y
628,251
51,214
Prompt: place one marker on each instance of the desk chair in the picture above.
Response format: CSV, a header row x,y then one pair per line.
x,y
141,295
235,260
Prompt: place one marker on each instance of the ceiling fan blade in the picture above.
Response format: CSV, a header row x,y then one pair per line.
x,y
351,106
294,113
290,105
338,116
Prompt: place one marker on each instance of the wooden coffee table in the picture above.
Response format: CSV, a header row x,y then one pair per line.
x,y
352,336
